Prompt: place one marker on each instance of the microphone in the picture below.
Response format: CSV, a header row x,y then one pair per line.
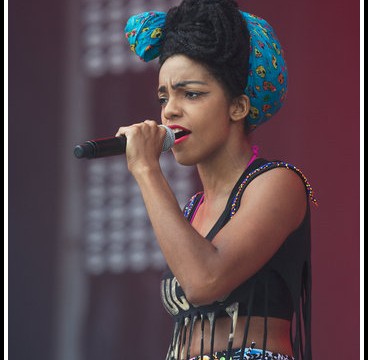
x,y
110,146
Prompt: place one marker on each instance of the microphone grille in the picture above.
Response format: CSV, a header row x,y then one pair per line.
x,y
169,138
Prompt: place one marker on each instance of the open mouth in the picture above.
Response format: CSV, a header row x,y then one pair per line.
x,y
180,132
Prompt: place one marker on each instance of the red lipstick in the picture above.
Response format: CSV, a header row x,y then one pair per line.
x,y
181,133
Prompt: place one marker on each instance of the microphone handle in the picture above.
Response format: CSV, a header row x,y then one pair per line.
x,y
101,147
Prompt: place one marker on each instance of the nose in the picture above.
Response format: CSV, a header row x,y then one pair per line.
x,y
172,109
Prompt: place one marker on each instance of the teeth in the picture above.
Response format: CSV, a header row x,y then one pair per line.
x,y
179,133
177,130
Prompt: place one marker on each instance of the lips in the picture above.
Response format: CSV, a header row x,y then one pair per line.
x,y
180,132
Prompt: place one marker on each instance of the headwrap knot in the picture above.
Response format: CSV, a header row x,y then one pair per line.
x,y
144,32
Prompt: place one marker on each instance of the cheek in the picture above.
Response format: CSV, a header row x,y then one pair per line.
x,y
212,134
218,118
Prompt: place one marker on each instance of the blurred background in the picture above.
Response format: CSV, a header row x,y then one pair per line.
x,y
83,265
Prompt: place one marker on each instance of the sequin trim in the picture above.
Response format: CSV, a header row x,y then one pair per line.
x,y
188,208
270,165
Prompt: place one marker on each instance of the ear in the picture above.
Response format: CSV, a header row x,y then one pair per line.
x,y
239,108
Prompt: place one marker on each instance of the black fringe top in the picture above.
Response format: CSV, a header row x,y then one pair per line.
x,y
281,288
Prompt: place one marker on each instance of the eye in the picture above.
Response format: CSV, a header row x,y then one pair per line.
x,y
162,101
192,95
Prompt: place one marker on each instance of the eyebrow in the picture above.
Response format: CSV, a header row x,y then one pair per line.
x,y
182,84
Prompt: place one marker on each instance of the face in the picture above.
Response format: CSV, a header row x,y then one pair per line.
x,y
195,106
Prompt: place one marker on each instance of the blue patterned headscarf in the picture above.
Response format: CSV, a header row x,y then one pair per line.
x,y
267,77
144,33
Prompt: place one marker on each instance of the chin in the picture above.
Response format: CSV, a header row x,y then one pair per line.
x,y
184,159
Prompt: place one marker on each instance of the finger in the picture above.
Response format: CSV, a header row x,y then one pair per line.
x,y
121,131
150,122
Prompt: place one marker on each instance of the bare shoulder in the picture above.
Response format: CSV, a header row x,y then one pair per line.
x,y
281,177
280,191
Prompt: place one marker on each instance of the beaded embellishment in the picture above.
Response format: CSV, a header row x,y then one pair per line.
x,y
189,206
271,165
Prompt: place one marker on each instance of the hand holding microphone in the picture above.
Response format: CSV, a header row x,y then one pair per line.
x,y
110,146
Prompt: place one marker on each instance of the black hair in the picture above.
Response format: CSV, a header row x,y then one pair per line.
x,y
214,33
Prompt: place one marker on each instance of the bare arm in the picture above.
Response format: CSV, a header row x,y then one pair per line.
x,y
272,207
208,271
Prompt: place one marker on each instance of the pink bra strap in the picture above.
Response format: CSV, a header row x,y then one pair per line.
x,y
255,150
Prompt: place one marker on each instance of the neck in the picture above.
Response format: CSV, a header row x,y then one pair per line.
x,y
218,175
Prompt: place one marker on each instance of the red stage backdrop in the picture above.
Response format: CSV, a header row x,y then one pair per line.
x,y
82,282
